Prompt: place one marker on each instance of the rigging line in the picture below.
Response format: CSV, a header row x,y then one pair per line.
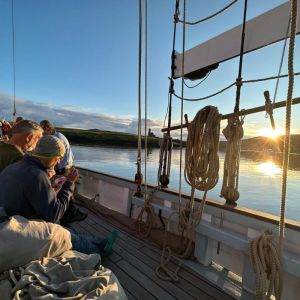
x,y
209,96
268,78
281,61
13,54
239,78
138,176
287,138
139,88
209,17
172,62
146,93
232,84
201,81
181,107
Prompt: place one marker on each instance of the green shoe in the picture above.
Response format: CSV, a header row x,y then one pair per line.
x,y
109,244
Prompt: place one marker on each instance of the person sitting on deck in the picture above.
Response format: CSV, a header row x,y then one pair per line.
x,y
67,161
25,135
62,168
26,191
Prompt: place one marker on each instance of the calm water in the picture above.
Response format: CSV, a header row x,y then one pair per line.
x,y
259,183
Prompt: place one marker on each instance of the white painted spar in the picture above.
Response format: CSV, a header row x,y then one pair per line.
x,y
260,31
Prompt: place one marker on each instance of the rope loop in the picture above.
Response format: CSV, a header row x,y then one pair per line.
x,y
233,133
264,258
202,145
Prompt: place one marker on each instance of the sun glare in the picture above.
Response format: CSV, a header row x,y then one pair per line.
x,y
269,168
270,133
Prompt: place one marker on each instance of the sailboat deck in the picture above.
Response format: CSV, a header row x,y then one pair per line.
x,y
134,263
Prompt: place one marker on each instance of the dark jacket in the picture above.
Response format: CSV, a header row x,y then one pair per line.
x,y
26,190
9,154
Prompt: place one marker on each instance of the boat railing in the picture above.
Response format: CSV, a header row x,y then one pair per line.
x,y
222,237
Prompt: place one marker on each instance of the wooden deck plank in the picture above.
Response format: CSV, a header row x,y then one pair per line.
x,y
194,285
128,283
180,290
93,219
142,259
191,276
144,280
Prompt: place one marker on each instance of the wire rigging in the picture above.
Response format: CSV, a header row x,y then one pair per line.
x,y
13,57
209,17
138,176
233,84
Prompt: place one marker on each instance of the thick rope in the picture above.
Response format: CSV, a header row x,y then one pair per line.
x,y
264,255
233,133
201,172
209,17
293,26
264,258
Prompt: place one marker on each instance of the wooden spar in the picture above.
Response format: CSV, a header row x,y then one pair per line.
x,y
260,31
242,112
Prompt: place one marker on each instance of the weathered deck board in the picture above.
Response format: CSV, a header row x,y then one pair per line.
x,y
134,263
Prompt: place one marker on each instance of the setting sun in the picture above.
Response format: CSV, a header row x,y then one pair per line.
x,y
270,133
269,168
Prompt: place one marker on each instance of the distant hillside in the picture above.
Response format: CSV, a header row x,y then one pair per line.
x,y
107,138
121,139
266,144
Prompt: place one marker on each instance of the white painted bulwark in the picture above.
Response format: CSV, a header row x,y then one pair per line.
x,y
222,237
260,31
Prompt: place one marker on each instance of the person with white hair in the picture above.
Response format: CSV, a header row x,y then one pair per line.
x,y
25,135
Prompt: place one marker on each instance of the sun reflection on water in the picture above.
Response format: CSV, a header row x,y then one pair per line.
x,y
269,168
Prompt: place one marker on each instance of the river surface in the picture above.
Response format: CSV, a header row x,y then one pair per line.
x,y
259,181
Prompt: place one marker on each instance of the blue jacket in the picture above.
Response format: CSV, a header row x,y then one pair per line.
x,y
26,190
67,160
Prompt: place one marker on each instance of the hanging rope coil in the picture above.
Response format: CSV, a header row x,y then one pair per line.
x,y
233,133
201,172
165,155
264,258
201,156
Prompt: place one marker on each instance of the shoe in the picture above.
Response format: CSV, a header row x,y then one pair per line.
x,y
73,215
109,243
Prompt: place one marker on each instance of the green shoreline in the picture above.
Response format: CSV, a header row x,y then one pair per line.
x,y
94,137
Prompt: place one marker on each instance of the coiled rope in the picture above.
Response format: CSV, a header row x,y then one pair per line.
x,y
233,133
201,172
264,256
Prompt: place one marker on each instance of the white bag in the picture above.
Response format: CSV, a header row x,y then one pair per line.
x,y
23,240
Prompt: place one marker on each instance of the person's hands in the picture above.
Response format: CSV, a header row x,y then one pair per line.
x,y
51,173
72,175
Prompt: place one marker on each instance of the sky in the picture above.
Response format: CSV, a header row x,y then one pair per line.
x,y
76,63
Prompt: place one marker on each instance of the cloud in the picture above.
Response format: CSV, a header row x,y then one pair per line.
x,y
79,117
72,116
